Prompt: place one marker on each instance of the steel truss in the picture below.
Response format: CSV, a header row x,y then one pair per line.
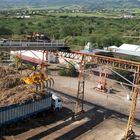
x,y
110,63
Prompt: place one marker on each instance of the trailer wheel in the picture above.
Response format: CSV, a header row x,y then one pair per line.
x,y
57,109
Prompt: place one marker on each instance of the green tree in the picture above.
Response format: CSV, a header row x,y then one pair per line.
x,y
39,24
71,30
112,40
22,24
5,31
30,23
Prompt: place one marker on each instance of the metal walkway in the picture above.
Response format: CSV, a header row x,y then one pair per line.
x,y
17,45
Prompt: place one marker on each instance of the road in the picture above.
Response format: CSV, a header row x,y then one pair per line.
x,y
116,101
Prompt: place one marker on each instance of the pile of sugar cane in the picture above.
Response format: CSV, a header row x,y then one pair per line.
x,y
12,91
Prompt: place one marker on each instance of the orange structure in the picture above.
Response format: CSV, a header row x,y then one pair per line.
x,y
110,63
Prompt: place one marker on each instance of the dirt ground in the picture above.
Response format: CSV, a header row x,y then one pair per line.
x,y
110,129
92,125
61,126
115,101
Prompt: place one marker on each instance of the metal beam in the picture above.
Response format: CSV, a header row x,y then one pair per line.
x,y
103,60
129,130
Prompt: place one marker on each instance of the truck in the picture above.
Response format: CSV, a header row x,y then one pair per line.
x,y
3,42
13,113
38,37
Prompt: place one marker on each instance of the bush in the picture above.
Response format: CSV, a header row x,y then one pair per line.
x,y
63,72
22,24
30,23
69,72
5,31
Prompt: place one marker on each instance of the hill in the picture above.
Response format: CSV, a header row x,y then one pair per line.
x,y
86,4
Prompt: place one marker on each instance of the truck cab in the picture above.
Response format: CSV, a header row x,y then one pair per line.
x,y
56,102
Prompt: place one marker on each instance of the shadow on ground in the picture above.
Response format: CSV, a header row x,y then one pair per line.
x,y
96,115
40,119
96,118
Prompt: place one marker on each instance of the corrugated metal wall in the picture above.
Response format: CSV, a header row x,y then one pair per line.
x,y
16,112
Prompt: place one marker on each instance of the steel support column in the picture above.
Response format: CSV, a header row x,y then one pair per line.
x,y
129,130
81,87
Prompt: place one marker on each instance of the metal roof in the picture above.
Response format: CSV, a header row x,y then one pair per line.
x,y
113,47
138,49
127,52
129,47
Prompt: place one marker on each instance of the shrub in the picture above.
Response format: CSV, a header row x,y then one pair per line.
x,y
71,71
5,31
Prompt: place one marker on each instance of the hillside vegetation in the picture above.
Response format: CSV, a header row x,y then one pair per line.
x,y
75,30
85,4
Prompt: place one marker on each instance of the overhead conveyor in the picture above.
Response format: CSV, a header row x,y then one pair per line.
x,y
18,45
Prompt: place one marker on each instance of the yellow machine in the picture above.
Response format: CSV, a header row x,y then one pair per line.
x,y
38,78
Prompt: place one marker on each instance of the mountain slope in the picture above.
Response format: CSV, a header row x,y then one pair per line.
x,y
92,4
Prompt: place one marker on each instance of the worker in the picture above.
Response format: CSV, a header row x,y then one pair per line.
x,y
128,97
99,86
109,90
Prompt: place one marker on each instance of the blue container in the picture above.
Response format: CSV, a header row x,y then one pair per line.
x,y
13,113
